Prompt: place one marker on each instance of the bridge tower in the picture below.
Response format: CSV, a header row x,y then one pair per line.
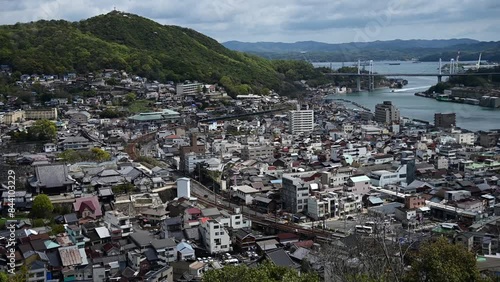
x,y
440,77
371,78
358,78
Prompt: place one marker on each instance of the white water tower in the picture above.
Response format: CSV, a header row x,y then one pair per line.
x,y
184,188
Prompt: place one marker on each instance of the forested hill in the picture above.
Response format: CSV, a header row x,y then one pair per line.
x,y
138,45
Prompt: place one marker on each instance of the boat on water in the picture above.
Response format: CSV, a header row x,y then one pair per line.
x,y
394,64
443,98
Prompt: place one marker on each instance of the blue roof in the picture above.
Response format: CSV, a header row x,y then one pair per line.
x,y
184,247
375,200
277,181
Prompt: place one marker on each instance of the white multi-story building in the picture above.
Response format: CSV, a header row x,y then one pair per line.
x,y
349,203
188,88
384,177
295,191
215,237
463,138
234,220
301,121
323,205
252,153
359,185
337,177
115,220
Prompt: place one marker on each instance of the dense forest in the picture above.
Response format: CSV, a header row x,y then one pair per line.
x,y
141,46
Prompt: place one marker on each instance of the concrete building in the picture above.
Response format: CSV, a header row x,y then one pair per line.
x,y
359,185
384,177
165,115
295,191
184,188
244,193
337,177
215,237
386,113
301,121
488,139
448,120
252,153
323,205
234,220
50,114
349,203
464,138
414,202
117,221
442,163
191,88
196,152
13,117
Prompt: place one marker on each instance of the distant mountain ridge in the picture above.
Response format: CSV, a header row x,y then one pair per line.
x,y
377,50
309,46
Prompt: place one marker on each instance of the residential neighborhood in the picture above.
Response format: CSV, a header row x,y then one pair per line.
x,y
153,181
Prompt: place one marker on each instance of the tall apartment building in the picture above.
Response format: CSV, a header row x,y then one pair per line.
x,y
214,236
295,191
194,151
188,88
445,120
386,113
301,121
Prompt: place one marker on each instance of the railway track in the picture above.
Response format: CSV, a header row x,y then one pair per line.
x,y
293,228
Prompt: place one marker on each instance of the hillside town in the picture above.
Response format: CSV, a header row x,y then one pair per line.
x,y
153,181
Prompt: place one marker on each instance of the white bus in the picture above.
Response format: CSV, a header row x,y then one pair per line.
x,y
364,229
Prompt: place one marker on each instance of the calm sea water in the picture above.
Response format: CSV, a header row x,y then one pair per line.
x,y
468,116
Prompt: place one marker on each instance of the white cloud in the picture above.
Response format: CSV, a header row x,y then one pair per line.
x,y
287,20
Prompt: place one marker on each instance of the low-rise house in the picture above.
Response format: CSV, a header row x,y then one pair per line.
x,y
165,249
155,216
88,207
244,239
185,251
116,220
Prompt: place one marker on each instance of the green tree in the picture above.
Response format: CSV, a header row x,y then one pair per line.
x,y
57,229
264,272
42,206
100,155
130,97
20,276
70,156
444,262
42,130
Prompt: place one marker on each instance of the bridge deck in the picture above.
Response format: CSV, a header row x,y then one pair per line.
x,y
413,74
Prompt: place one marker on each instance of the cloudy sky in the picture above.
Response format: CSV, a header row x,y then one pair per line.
x,y
331,21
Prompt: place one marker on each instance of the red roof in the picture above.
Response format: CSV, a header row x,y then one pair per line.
x,y
193,211
173,137
304,244
287,236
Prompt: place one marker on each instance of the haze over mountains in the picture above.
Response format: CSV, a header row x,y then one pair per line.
x,y
424,50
